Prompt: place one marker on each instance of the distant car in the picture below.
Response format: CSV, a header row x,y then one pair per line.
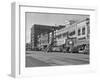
x,y
75,50
85,51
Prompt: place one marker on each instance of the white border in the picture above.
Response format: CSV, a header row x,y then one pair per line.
x,y
19,60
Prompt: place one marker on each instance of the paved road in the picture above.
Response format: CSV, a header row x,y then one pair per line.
x,y
32,62
34,59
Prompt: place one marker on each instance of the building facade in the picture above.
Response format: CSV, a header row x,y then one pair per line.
x,y
74,35
41,36
43,40
61,36
70,36
83,30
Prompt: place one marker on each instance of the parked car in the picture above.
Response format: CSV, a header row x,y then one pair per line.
x,y
84,51
75,50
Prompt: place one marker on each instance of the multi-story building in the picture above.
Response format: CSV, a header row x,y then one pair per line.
x,y
83,29
71,35
83,32
41,36
63,34
74,35
34,34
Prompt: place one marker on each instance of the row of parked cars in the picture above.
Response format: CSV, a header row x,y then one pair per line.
x,y
79,49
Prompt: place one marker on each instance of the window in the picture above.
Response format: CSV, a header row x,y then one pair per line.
x,y
79,32
59,36
72,33
83,30
65,35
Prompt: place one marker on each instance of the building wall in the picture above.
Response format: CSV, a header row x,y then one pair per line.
x,y
43,39
32,37
61,36
73,32
83,37
81,26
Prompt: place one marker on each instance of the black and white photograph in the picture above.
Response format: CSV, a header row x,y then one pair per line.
x,y
54,39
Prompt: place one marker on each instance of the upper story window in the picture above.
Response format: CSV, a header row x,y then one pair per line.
x,y
65,34
79,32
58,36
83,31
72,33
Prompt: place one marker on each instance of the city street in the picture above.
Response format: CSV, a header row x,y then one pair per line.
x,y
39,58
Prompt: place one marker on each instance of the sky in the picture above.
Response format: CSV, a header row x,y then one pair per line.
x,y
32,18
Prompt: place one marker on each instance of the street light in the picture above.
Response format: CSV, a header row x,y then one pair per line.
x,y
70,42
